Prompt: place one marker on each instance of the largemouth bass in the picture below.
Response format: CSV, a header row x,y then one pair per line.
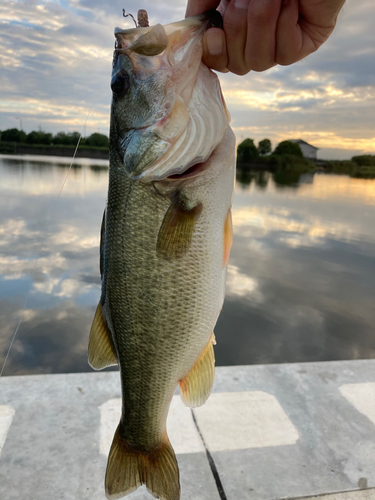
x,y
165,242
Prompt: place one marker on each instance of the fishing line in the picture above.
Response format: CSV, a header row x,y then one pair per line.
x,y
36,260
74,155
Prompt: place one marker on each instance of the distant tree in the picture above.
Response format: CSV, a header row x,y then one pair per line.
x,y
264,147
59,138
74,137
66,139
288,148
247,151
98,140
13,135
39,137
364,160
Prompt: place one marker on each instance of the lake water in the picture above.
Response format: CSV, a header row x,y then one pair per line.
x,y
301,276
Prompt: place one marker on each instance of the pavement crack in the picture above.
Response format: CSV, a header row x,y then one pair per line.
x,y
211,461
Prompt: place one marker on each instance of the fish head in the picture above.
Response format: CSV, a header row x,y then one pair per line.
x,y
142,93
155,116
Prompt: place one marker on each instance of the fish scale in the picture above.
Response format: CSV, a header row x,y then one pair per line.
x,y
164,247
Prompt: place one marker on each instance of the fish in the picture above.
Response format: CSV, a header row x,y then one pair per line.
x,y
166,235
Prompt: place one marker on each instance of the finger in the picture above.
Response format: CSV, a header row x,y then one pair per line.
x,y
260,51
195,7
223,6
235,28
322,15
214,50
292,44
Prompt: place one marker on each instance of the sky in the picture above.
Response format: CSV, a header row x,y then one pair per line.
x,y
56,57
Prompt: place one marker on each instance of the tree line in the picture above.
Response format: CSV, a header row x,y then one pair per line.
x,y
38,137
247,151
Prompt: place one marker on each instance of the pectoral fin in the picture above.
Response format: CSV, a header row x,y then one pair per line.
x,y
196,386
101,351
177,229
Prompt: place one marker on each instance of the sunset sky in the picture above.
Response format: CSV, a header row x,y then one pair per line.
x,y
56,55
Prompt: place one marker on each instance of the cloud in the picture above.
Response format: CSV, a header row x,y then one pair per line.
x,y
56,65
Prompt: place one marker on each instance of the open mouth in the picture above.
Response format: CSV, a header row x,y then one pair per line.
x,y
190,172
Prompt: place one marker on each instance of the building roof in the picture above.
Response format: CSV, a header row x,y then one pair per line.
x,y
298,141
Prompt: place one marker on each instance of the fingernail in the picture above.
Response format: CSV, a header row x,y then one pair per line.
x,y
215,43
241,4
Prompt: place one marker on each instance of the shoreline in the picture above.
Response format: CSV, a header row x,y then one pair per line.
x,y
40,150
66,160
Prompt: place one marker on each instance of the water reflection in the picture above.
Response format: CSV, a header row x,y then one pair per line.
x,y
63,285
301,277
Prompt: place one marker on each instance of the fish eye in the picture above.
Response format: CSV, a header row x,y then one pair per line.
x,y
120,83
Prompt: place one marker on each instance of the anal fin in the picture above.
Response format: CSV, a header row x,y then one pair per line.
x,y
101,351
196,386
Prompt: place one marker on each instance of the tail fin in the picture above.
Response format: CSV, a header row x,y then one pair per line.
x,y
128,468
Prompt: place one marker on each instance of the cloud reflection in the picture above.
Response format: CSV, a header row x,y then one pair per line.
x,y
300,281
240,284
49,253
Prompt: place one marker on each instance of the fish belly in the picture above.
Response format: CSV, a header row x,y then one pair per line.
x,y
161,312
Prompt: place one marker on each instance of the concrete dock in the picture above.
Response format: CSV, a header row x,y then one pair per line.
x,y
267,432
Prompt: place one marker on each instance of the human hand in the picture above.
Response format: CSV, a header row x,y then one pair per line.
x,y
259,34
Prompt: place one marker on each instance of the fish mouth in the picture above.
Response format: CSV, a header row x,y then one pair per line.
x,y
192,171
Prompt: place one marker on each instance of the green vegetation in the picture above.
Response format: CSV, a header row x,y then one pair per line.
x,y
364,160
362,167
288,148
66,139
264,147
247,151
13,135
61,139
98,140
287,157
287,162
38,138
